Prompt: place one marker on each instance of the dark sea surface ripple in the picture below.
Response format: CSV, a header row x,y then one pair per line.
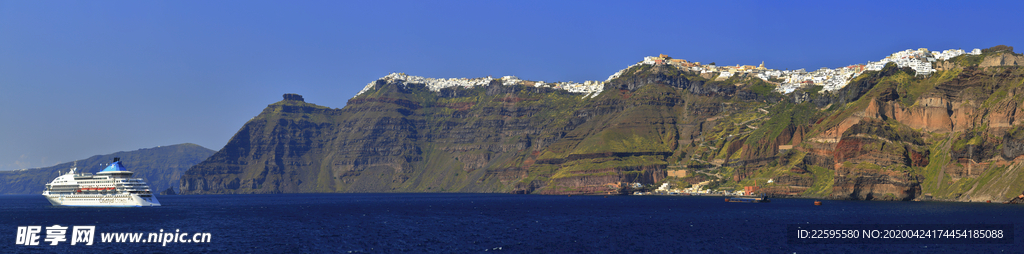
x,y
485,223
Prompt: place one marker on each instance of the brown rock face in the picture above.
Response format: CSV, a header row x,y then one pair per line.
x,y
930,114
871,162
866,161
877,150
944,65
875,184
832,135
1002,59
604,181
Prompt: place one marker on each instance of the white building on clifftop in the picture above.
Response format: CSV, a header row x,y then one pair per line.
x,y
588,88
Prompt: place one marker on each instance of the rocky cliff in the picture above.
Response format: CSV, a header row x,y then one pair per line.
x,y
927,137
890,134
402,137
160,166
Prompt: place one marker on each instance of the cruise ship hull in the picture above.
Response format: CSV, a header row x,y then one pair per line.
x,y
102,200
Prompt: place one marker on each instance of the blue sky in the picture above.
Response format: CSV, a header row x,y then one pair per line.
x,y
82,78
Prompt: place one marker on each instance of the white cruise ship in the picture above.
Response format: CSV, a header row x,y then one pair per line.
x,y
111,187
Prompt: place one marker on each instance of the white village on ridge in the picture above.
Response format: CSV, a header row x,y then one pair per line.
x,y
787,81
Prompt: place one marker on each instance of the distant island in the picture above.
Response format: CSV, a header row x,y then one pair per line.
x,y
916,125
161,166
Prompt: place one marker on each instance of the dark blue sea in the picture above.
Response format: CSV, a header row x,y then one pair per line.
x,y
485,223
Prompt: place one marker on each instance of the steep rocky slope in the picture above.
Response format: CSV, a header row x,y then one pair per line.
x,y
160,166
889,135
926,137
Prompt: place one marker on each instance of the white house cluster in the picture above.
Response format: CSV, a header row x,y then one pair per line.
x,y
786,81
588,88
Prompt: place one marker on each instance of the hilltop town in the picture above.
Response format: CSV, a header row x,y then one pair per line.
x,y
588,88
786,81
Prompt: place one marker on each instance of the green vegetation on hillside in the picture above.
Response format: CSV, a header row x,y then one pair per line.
x,y
781,117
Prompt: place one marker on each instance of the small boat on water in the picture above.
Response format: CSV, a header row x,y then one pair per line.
x,y
761,199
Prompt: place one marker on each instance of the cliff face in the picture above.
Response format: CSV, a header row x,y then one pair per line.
x,y
281,148
888,135
402,137
874,160
160,166
927,137
395,138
